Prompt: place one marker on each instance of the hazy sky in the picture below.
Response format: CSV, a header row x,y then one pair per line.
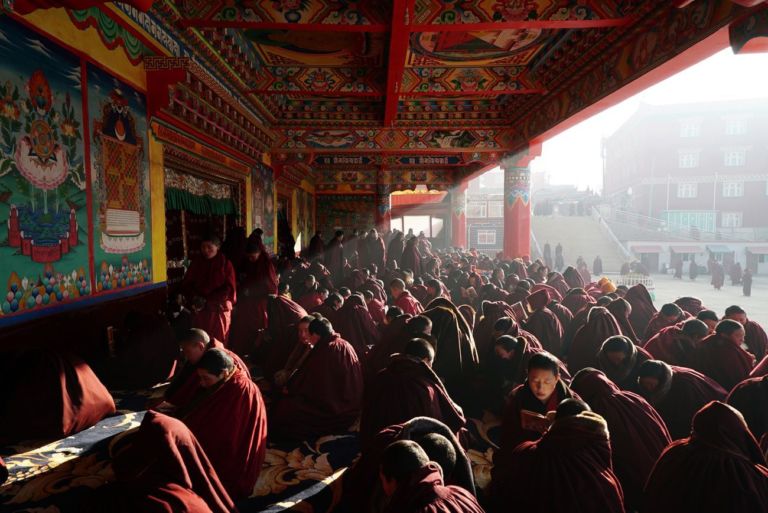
x,y
573,157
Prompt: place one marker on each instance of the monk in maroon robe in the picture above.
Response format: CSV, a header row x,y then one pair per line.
x,y
750,397
621,310
568,469
415,485
556,281
719,468
563,314
311,297
394,337
484,331
678,345
677,394
544,324
355,325
334,257
161,468
589,339
577,299
411,259
281,336
760,370
642,307
324,396
755,339
721,356
405,389
316,247
638,433
49,395
669,315
512,357
689,304
620,360
229,420
209,286
573,278
376,250
542,391
376,307
404,299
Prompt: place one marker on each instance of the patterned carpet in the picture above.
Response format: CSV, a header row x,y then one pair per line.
x,y
56,477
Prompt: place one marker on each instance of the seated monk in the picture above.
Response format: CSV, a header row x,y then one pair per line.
x,y
721,356
394,338
642,307
568,469
750,397
377,307
525,414
588,340
404,299
620,359
415,485
362,489
184,383
543,323
161,468
692,305
312,296
299,353
710,318
678,345
576,300
638,433
490,312
755,339
48,395
325,393
355,324
237,443
408,388
719,468
669,315
281,336
677,394
621,310
509,326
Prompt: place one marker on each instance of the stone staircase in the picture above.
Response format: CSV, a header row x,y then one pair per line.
x,y
579,236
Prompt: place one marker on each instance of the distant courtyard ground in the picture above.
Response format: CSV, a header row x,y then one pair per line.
x,y
668,289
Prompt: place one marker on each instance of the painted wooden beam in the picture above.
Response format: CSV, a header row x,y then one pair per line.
x,y
398,51
488,92
334,94
302,27
522,24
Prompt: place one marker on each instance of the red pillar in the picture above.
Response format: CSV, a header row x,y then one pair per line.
x,y
517,202
459,215
383,207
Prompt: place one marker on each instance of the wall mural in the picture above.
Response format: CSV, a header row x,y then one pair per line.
x,y
305,216
120,178
43,214
263,192
345,212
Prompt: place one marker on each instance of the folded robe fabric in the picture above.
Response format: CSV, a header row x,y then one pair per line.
x,y
673,346
483,333
73,397
638,433
284,316
642,307
426,493
620,309
567,470
750,397
586,344
355,325
756,339
719,468
723,361
230,422
624,374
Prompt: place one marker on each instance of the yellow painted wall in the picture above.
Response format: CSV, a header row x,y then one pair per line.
x,y
157,201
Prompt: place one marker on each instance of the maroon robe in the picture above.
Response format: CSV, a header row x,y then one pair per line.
x,y
573,278
258,282
723,361
394,338
165,469
230,422
692,305
625,374
545,326
681,393
378,311
408,304
405,389
756,339
514,372
659,322
719,468
642,307
589,339
315,249
49,395
521,398
620,309
483,332
761,369
334,259
214,280
673,346
750,397
310,300
556,281
563,314
577,300
354,323
324,396
283,334
426,493
411,258
638,433
568,470
376,252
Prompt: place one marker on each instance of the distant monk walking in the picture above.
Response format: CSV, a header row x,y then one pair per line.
x,y
678,268
548,255
718,275
736,274
597,266
559,262
693,270
746,282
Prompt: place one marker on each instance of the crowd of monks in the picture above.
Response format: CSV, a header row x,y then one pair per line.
x,y
605,404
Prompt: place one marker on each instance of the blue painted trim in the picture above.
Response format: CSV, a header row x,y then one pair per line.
x,y
7,321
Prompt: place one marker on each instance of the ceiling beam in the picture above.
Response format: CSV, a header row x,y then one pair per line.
x,y
449,94
398,51
330,94
522,24
266,25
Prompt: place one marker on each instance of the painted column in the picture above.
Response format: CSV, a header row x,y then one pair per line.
x,y
383,214
459,215
517,202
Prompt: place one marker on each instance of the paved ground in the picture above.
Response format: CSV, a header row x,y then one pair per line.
x,y
756,306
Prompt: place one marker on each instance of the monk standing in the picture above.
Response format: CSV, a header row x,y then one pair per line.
x,y
334,257
209,285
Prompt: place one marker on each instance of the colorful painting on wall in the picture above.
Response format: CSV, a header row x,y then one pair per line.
x,y
345,212
263,192
120,177
305,216
43,214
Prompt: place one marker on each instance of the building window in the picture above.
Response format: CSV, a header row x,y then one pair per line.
x,y
736,127
690,128
761,259
477,209
495,209
687,190
734,158
733,189
688,159
486,237
731,219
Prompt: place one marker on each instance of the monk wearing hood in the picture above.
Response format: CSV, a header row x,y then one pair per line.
x,y
718,468
543,323
755,339
722,357
642,307
691,305
577,299
638,433
678,345
281,336
404,299
334,257
325,393
620,360
405,389
491,312
513,355
677,394
355,324
316,247
568,469
411,258
669,315
589,339
750,397
621,310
